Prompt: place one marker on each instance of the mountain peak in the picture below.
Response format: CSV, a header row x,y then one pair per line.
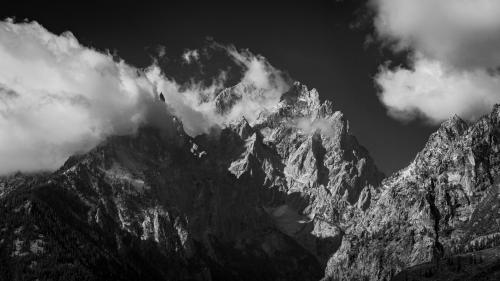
x,y
454,127
242,127
454,122
495,113
299,91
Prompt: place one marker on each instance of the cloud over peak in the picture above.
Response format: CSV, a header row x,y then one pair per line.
x,y
58,97
195,102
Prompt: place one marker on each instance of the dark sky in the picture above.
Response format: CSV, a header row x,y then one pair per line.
x,y
316,43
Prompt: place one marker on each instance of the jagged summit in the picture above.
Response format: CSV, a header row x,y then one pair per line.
x,y
299,101
242,127
300,92
445,203
454,126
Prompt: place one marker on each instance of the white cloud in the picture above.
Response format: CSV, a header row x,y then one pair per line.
x,y
455,46
462,33
259,74
161,51
436,91
58,97
190,56
185,102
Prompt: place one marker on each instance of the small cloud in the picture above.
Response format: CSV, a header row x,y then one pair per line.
x,y
161,51
190,56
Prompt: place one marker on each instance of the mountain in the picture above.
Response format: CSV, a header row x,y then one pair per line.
x,y
445,204
290,195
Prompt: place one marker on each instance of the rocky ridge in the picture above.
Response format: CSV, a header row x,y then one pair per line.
x,y
445,203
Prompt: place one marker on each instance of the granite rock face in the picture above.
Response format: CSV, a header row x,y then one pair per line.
x,y
445,203
289,195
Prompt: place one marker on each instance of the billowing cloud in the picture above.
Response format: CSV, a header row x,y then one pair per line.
x,y
454,61
58,97
437,91
259,90
261,85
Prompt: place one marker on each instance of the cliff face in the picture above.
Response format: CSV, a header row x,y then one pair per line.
x,y
445,203
290,195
